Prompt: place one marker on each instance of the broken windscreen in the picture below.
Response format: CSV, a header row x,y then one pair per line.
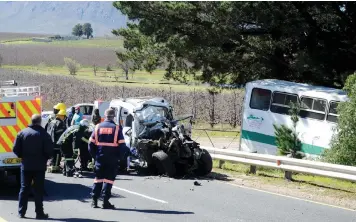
x,y
152,114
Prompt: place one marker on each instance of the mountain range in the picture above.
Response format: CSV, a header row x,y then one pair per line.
x,y
59,17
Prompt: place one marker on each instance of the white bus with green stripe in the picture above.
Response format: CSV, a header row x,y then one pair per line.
x,y
267,102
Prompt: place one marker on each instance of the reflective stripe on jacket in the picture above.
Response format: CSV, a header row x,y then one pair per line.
x,y
105,143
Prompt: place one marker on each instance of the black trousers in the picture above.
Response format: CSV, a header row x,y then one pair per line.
x,y
84,157
38,177
57,156
68,163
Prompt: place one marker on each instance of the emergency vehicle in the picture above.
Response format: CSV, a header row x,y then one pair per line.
x,y
17,105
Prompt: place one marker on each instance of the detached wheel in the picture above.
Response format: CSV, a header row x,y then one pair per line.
x,y
205,164
163,163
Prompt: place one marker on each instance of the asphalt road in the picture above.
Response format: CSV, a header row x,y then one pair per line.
x,y
162,199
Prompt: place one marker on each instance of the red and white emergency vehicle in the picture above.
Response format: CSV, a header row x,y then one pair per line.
x,y
17,105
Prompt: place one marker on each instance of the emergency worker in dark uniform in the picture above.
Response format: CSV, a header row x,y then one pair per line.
x,y
81,140
55,129
75,142
68,154
56,109
104,146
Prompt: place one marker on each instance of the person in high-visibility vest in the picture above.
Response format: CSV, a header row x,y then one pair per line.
x,y
105,144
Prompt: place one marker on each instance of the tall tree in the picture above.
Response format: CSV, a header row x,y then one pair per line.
x,y
77,30
142,49
235,42
87,30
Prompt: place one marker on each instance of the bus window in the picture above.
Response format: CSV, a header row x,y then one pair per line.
x,y
260,99
332,115
313,108
281,101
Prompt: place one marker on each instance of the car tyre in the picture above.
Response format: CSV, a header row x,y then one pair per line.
x,y
205,164
163,163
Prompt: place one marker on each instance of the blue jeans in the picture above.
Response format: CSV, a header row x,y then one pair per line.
x,y
27,177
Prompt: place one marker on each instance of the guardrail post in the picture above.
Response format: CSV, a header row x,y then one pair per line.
x,y
221,163
252,169
288,175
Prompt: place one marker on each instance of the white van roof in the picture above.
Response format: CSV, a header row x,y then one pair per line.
x,y
301,89
136,103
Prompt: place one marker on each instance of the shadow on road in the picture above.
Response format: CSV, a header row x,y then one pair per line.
x,y
156,211
83,219
73,219
53,191
210,177
70,191
92,176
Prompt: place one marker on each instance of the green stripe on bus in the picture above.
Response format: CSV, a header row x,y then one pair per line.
x,y
271,140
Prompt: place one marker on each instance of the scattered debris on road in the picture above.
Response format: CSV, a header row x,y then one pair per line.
x,y
196,183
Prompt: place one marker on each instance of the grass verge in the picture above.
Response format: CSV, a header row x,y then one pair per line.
x,y
317,188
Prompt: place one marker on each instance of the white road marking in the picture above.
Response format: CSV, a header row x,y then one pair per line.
x,y
141,195
282,195
2,220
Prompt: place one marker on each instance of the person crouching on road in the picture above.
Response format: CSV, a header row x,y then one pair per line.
x,y
81,143
55,129
34,146
76,142
105,144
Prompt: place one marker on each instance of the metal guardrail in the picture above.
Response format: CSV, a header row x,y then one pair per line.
x,y
284,163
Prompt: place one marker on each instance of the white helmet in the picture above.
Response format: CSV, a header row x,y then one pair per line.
x,y
84,122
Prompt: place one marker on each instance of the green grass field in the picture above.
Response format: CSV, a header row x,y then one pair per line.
x,y
107,78
113,43
103,77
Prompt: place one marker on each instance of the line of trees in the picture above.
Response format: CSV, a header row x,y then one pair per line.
x,y
83,30
236,42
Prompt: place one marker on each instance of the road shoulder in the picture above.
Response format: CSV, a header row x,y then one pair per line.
x,y
312,192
